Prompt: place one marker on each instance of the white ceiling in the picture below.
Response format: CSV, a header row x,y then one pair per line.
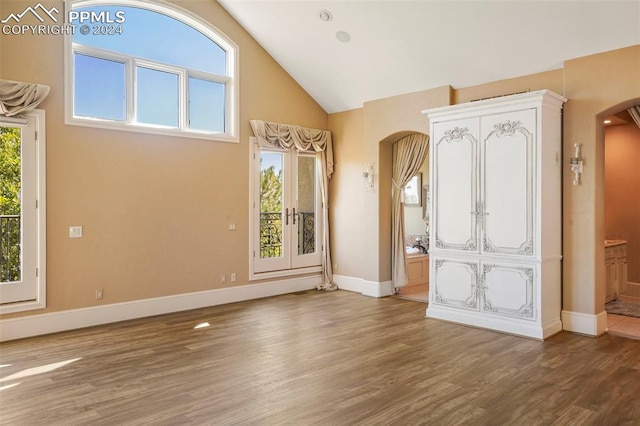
x,y
401,46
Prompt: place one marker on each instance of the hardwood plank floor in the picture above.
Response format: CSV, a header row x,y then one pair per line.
x,y
334,358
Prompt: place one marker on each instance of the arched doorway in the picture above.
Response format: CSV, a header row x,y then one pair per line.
x,y
619,140
385,162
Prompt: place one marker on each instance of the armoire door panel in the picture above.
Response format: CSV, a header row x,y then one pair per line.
x,y
508,290
455,175
507,183
456,283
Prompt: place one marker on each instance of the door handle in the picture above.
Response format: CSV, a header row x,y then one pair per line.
x,y
286,216
294,215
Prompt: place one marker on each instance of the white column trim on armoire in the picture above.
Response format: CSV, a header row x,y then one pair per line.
x,y
495,250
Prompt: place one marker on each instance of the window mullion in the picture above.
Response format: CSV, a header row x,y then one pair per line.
x,y
183,109
229,115
208,76
131,92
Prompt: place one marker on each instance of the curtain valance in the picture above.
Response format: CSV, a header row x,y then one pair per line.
x,y
288,136
17,97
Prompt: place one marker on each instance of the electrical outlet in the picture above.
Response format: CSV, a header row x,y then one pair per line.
x,y
223,279
233,277
99,294
232,227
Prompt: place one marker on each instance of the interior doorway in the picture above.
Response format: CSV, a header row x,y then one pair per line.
x,y
621,225
416,230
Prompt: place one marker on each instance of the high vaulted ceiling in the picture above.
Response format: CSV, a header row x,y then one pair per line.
x,y
400,46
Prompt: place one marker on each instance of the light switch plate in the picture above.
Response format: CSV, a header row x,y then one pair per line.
x,y
75,232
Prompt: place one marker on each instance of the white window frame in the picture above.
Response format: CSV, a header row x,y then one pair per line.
x,y
230,80
254,223
38,277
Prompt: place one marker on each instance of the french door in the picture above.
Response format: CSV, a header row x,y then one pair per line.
x,y
287,211
22,213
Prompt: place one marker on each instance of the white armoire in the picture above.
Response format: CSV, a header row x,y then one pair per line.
x,y
496,227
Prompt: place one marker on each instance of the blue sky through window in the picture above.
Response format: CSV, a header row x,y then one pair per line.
x,y
271,159
157,97
206,105
100,89
151,35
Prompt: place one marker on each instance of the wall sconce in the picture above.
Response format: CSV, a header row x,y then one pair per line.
x,y
576,164
367,175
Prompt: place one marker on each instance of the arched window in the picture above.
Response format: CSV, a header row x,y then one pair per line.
x,y
150,67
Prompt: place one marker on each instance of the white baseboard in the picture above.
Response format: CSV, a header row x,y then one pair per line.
x,y
364,287
589,324
35,325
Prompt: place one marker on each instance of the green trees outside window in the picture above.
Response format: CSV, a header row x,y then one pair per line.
x,y
10,170
270,212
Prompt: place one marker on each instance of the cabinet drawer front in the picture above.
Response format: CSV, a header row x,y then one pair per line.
x,y
609,253
508,182
455,283
508,290
455,184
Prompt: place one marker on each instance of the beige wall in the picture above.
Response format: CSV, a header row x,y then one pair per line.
x,y
622,191
596,86
551,80
385,121
349,237
155,210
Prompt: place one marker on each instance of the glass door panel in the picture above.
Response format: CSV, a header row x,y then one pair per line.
x,y
18,212
271,202
307,212
10,204
273,218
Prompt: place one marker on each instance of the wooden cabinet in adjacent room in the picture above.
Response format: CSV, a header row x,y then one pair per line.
x,y
417,269
615,259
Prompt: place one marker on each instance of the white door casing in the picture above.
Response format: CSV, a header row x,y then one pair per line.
x,y
300,228
29,291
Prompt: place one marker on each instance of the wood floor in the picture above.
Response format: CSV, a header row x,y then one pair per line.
x,y
334,358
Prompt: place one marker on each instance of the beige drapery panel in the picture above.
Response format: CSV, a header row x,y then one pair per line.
x,y
634,111
287,136
17,98
409,153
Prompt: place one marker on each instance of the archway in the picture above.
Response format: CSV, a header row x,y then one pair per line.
x,y
385,161
618,142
